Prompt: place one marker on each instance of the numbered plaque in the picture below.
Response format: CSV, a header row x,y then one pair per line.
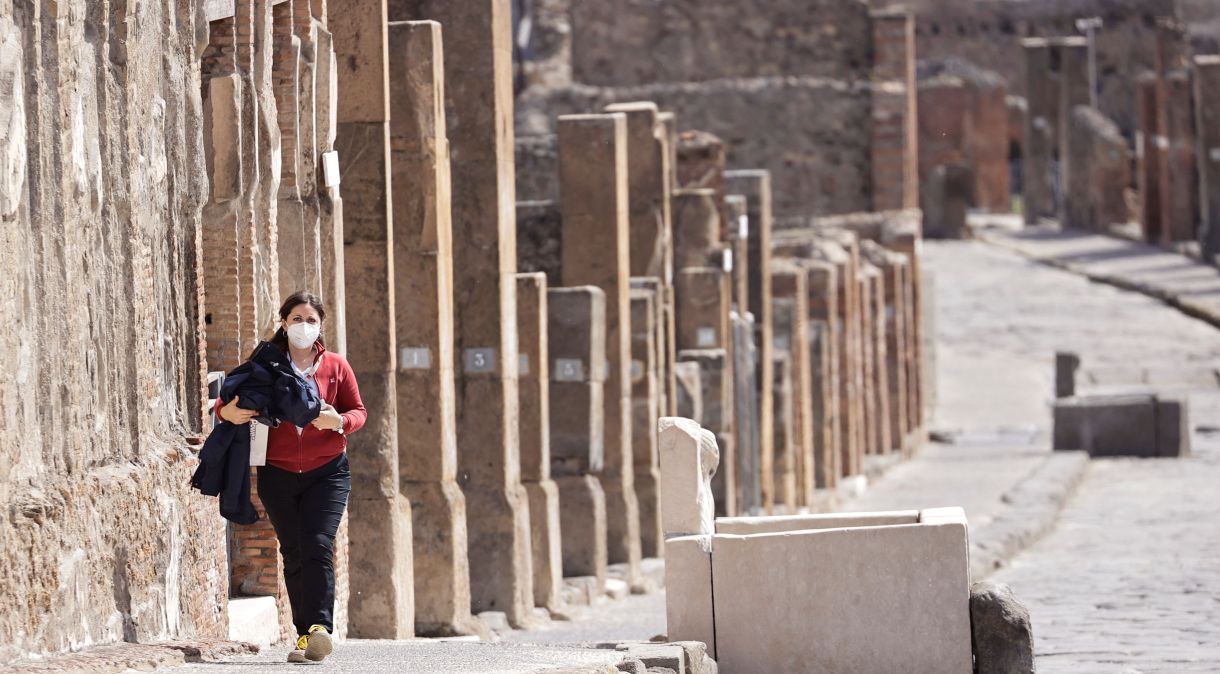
x,y
478,361
569,369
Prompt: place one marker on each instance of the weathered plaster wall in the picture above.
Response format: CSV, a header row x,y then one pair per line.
x,y
102,179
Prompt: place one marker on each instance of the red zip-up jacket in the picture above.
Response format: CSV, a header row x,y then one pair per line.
x,y
312,447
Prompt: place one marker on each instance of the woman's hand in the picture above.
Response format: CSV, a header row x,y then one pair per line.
x,y
236,415
328,420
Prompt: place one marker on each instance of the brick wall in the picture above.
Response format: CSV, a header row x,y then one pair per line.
x,y
101,540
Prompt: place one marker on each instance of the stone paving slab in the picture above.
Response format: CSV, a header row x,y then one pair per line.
x,y
1178,280
1129,581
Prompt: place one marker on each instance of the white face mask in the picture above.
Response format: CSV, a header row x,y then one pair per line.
x,y
303,335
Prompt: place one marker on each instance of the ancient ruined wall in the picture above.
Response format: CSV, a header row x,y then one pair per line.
x,y
787,84
988,33
811,133
627,42
103,179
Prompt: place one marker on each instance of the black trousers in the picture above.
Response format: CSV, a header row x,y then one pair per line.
x,y
305,509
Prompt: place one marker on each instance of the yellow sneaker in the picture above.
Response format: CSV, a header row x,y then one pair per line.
x,y
298,654
318,643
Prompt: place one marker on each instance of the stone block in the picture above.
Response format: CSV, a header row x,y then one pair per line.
x,y
783,440
649,187
1000,630
714,387
688,590
690,390
746,526
533,372
577,427
539,238
812,610
696,227
1066,365
546,544
689,458
702,308
948,193
701,162
746,413
582,521
1173,427
1142,425
645,406
576,333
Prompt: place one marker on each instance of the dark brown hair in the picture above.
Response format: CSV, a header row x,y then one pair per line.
x,y
295,300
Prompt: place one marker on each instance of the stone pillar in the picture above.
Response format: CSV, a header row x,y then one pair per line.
x,y
755,186
576,338
534,402
789,283
650,187
662,296
738,241
880,375
864,334
479,112
593,181
893,268
1179,184
1041,132
894,134
1148,155
703,327
645,411
423,295
1207,106
382,594
823,311
745,414
330,204
1074,89
785,421
696,227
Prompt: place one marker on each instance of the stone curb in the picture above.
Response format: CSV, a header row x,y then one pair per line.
x,y
1186,305
1034,505
124,657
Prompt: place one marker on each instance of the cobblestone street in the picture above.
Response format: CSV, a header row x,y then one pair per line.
x,y
1127,580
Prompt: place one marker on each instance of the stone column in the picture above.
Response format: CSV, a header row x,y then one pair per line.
x,y
738,241
330,205
662,296
650,230
1074,89
893,267
1041,131
789,283
878,340
1179,184
696,227
785,421
423,284
868,390
703,328
894,146
755,186
1207,106
534,402
645,411
823,310
382,594
593,182
576,338
479,112
1148,155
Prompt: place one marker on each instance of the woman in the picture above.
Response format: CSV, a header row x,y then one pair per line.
x,y
305,484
